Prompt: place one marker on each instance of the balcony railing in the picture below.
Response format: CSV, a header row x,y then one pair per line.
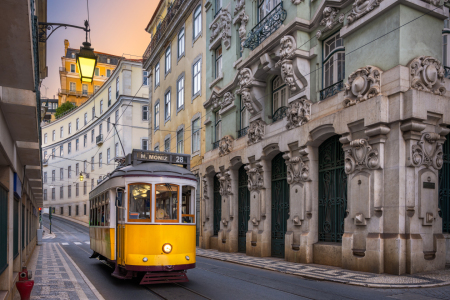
x,y
268,25
242,132
279,114
99,139
332,90
447,72
75,93
216,144
162,27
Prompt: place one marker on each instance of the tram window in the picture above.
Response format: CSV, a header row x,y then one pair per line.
x,y
187,205
166,202
107,214
139,205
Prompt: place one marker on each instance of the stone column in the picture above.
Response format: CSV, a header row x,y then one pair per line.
x,y
207,211
228,234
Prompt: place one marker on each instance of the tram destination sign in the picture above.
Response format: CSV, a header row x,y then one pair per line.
x,y
164,157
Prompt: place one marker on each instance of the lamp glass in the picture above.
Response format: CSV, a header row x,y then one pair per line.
x,y
86,61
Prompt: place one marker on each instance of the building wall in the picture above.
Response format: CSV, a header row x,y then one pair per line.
x,y
131,129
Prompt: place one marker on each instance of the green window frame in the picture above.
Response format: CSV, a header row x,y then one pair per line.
x,y
3,229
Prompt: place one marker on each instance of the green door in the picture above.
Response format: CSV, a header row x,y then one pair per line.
x,y
244,208
217,205
332,191
444,188
280,205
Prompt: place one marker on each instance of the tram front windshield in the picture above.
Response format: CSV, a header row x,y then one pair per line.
x,y
140,202
166,202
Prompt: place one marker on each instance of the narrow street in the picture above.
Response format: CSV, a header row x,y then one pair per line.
x,y
213,279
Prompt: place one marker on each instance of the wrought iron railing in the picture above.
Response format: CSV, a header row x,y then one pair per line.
x,y
216,144
162,27
75,93
268,25
99,139
447,72
332,90
242,132
279,114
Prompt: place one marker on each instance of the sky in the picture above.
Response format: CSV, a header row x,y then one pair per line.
x,y
117,27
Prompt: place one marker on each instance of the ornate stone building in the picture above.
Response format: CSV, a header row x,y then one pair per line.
x,y
326,131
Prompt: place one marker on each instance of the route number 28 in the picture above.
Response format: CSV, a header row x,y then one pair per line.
x,y
179,159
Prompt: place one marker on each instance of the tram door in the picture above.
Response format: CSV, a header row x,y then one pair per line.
x,y
280,205
444,188
217,205
244,209
120,227
332,191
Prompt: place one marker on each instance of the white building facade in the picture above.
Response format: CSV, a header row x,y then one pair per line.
x,y
88,141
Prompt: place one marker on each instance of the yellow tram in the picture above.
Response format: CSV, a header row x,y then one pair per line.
x,y
142,217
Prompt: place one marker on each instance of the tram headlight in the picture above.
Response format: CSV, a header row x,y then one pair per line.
x,y
167,248
187,257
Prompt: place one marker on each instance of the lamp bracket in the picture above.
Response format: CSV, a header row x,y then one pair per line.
x,y
46,29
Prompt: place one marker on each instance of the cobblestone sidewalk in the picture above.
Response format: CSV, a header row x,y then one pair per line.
x,y
57,277
319,272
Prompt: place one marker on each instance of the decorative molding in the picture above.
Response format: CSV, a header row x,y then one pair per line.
x,y
362,84
428,151
215,101
330,20
225,183
435,2
245,80
361,156
225,145
298,113
427,74
205,188
255,177
361,8
256,131
296,2
287,68
240,4
228,99
242,19
297,169
221,27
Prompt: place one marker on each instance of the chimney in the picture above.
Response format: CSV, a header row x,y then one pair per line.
x,y
66,45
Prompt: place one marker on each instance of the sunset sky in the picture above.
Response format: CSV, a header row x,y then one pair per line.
x,y
117,27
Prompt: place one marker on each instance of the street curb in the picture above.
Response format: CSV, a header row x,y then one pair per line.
x,y
70,219
370,285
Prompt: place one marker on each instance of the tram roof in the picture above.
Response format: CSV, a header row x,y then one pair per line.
x,y
153,169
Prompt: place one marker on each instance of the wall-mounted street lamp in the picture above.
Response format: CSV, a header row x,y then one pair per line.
x,y
86,58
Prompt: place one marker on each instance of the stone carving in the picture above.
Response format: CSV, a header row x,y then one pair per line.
x,y
297,170
245,79
225,183
296,2
330,20
240,4
205,188
361,8
225,145
362,84
228,99
222,28
298,113
360,156
255,177
215,101
428,151
256,131
243,19
287,52
427,74
435,2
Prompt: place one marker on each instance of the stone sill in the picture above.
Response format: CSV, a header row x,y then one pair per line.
x,y
215,81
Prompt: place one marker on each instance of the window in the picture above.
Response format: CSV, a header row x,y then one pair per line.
x,y
93,112
70,128
61,192
157,75
84,88
197,77
100,160
77,125
84,191
279,94
218,127
196,135
181,42
117,87
218,65
61,173
101,102
117,149
61,150
197,21
69,191
69,147
45,155
334,62
108,123
97,72
53,175
92,184
218,6
167,145
45,177
144,144
145,78
92,135
167,106
85,119
139,203
85,209
92,163
61,210
187,204
108,73
85,140
73,55
108,155
109,98
100,127
69,172
77,191
96,88
77,169
45,194
61,132
53,153
53,135
244,115
117,116
72,68
45,138
73,87
53,193
145,113
180,93
156,115
166,203
167,60
180,142
265,7
77,144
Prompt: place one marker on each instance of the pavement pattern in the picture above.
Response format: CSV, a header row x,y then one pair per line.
x,y
429,279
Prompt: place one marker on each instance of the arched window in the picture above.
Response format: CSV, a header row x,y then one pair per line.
x,y
197,21
279,98
334,60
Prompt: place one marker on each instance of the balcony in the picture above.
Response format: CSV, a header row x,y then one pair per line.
x,y
268,25
332,90
242,132
216,144
45,162
162,28
279,114
74,93
99,139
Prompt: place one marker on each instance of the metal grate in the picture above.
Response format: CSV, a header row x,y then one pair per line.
x,y
332,90
242,132
243,208
444,188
